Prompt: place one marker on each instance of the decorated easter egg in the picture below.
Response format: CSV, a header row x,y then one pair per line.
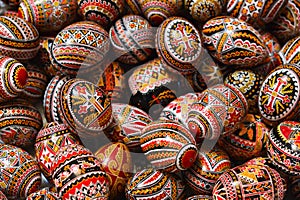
x,y
45,194
48,16
159,10
177,110
36,83
249,83
134,7
79,46
289,53
169,146
51,98
225,39
250,182
149,84
217,112
132,121
200,197
132,39
18,39
85,108
178,43
151,183
91,185
208,167
2,196
20,174
19,123
279,94
103,13
43,56
248,140
202,10
286,25
255,12
115,160
284,147
13,78
49,140
72,161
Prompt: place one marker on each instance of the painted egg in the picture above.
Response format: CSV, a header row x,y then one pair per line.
x,y
80,46
159,10
202,10
20,174
115,160
49,140
217,112
72,161
250,182
132,39
178,43
200,197
112,81
273,60
45,194
18,39
149,84
13,78
234,42
91,185
279,94
48,16
101,12
43,56
289,53
51,98
132,121
19,123
208,167
177,110
286,25
249,83
284,147
248,141
2,196
255,12
85,108
168,146
154,184
36,83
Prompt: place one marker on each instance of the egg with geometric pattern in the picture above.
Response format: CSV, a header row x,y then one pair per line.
x,y
20,174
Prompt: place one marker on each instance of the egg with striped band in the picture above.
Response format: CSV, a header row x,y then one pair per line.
x,y
13,78
169,146
79,46
154,184
20,174
234,42
18,39
290,52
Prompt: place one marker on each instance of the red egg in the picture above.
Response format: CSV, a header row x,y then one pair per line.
x,y
13,78
115,160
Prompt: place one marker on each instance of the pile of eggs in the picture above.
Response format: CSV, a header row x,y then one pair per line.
x,y
149,99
